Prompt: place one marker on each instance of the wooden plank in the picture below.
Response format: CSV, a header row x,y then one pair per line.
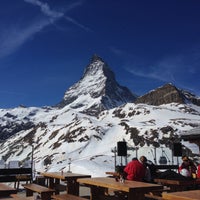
x,y
6,190
43,191
9,174
132,189
37,188
178,185
67,197
184,195
10,171
64,176
112,184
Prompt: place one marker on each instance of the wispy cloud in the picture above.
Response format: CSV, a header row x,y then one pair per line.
x,y
163,71
55,15
138,67
45,9
116,51
73,21
180,69
15,35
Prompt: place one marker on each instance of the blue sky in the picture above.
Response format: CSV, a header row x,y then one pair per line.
x,y
45,45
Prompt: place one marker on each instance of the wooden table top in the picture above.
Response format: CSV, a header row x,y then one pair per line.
x,y
111,183
178,182
64,175
184,195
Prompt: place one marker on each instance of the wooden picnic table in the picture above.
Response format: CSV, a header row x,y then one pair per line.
x,y
6,190
132,189
70,178
184,195
178,185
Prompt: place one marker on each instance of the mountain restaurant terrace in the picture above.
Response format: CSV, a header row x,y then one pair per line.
x,y
18,182
72,186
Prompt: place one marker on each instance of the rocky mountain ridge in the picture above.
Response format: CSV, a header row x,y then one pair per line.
x,y
168,94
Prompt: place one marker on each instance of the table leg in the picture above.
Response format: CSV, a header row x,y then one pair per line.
x,y
135,196
51,183
97,193
73,187
57,182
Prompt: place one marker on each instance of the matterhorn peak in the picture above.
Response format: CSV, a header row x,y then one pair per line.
x,y
96,58
97,90
97,66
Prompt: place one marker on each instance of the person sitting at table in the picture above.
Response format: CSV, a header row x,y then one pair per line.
x,y
187,164
198,171
136,169
151,172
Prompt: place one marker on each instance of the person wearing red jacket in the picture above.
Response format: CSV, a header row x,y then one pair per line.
x,y
188,165
136,169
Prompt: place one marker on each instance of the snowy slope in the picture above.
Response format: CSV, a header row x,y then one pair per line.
x,y
88,141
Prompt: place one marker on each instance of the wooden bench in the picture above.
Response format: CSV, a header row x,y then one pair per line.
x,y
21,178
6,190
67,197
16,175
43,191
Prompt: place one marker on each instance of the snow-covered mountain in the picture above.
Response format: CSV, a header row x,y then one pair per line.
x,y
97,90
85,127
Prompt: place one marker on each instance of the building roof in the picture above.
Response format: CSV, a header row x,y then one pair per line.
x,y
193,134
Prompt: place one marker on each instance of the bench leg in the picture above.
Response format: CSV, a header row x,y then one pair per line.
x,y
15,184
